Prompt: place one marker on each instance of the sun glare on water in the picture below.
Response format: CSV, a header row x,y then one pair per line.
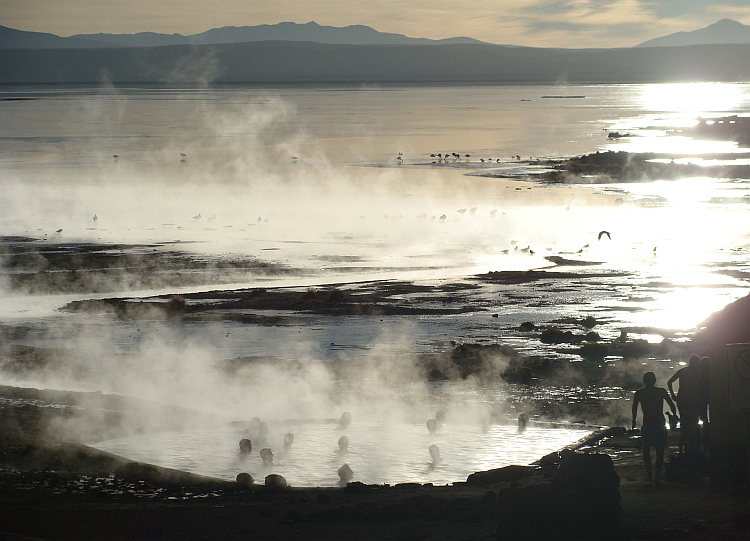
x,y
693,97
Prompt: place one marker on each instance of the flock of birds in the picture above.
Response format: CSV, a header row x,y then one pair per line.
x,y
454,157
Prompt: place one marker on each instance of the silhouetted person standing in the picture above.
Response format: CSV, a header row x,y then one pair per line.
x,y
689,399
653,430
704,394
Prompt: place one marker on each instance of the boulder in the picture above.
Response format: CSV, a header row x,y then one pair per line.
x,y
508,474
275,481
244,480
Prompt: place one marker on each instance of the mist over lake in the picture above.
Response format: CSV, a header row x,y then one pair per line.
x,y
320,188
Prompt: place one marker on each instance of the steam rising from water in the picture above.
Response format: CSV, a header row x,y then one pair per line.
x,y
274,179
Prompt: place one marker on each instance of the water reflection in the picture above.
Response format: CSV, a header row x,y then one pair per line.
x,y
694,97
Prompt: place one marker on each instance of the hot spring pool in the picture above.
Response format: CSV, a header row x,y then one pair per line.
x,y
377,454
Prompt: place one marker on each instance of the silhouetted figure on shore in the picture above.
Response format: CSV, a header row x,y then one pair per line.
x,y
523,421
653,429
704,394
688,401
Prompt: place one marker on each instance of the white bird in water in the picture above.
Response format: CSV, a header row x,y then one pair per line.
x,y
95,218
493,212
461,211
197,217
115,156
182,156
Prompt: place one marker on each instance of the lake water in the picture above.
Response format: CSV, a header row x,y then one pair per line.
x,y
338,184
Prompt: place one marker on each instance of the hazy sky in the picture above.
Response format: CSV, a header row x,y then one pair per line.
x,y
543,23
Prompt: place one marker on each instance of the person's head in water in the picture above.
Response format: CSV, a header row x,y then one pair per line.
x,y
431,426
246,446
345,474
267,456
343,444
346,419
254,426
435,454
288,440
649,379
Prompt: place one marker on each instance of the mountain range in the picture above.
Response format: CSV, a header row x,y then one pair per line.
x,y
725,31
311,32
288,53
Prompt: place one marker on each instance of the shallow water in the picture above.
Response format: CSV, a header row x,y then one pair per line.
x,y
308,178
380,453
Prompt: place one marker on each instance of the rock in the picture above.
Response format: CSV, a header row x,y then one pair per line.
x,y
526,326
507,474
589,322
589,473
244,480
581,504
688,467
541,512
275,481
523,374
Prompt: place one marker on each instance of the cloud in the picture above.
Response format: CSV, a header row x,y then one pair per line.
x,y
680,8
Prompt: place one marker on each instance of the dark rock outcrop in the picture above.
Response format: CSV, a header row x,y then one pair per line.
x,y
582,503
508,474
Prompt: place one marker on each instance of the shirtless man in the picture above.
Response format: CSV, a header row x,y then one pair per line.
x,y
653,429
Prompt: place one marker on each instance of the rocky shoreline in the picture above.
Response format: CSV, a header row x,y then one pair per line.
x,y
591,490
52,488
621,166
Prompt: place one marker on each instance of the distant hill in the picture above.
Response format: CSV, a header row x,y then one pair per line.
x,y
310,32
723,32
290,62
20,39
